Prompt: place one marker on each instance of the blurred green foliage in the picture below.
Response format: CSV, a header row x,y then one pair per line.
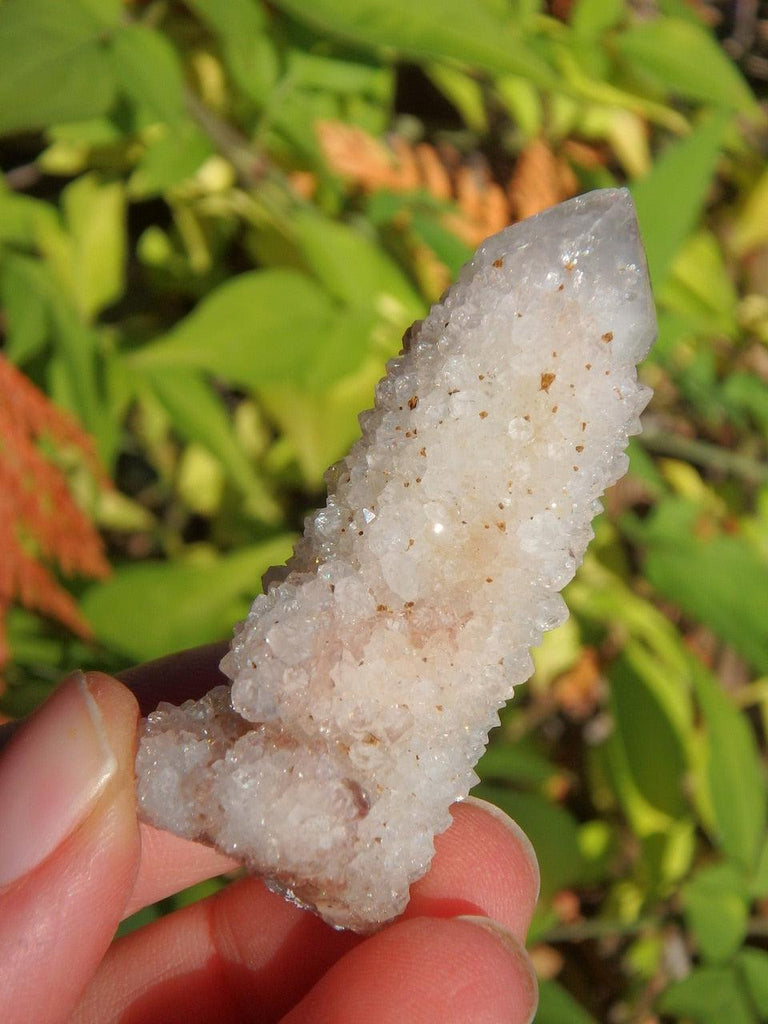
x,y
217,327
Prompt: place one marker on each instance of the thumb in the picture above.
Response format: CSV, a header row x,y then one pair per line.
x,y
69,844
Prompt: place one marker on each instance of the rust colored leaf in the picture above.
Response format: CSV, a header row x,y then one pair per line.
x,y
42,529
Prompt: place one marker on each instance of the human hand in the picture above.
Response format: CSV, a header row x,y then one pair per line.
x,y
74,861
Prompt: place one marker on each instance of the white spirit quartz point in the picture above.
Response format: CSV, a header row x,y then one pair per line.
x,y
365,683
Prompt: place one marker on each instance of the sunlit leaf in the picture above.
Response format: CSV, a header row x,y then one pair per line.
x,y
464,92
355,269
646,722
686,58
24,219
734,772
259,328
671,197
148,610
198,415
700,287
94,211
750,229
320,427
433,28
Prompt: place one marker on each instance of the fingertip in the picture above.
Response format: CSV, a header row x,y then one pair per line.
x,y
483,866
526,981
518,835
115,700
426,969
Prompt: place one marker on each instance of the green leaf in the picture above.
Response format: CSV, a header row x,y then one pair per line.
x,y
687,60
318,427
106,12
249,53
313,71
670,198
746,393
140,919
198,415
648,726
23,219
355,269
350,339
758,885
114,511
551,829
94,211
524,102
428,226
667,855
590,19
169,160
56,65
146,611
709,995
24,286
236,17
260,328
717,911
752,964
149,72
734,772
517,762
556,1006
701,288
721,581
750,229
679,9
464,92
450,29
76,373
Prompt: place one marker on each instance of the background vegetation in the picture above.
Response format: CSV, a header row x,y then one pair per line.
x,y
217,219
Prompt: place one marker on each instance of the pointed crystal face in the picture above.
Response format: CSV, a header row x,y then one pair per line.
x,y
364,683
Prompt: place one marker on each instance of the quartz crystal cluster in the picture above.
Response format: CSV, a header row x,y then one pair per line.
x,y
366,679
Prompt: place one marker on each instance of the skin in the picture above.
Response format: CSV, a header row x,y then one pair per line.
x,y
243,955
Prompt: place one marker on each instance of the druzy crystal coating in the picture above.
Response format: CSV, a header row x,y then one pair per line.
x,y
365,681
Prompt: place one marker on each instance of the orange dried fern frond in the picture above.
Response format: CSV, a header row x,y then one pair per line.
x,y
39,520
483,205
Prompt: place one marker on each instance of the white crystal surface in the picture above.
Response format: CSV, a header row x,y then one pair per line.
x,y
365,683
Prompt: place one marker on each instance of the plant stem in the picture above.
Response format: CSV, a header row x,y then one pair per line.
x,y
252,167
703,453
597,928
